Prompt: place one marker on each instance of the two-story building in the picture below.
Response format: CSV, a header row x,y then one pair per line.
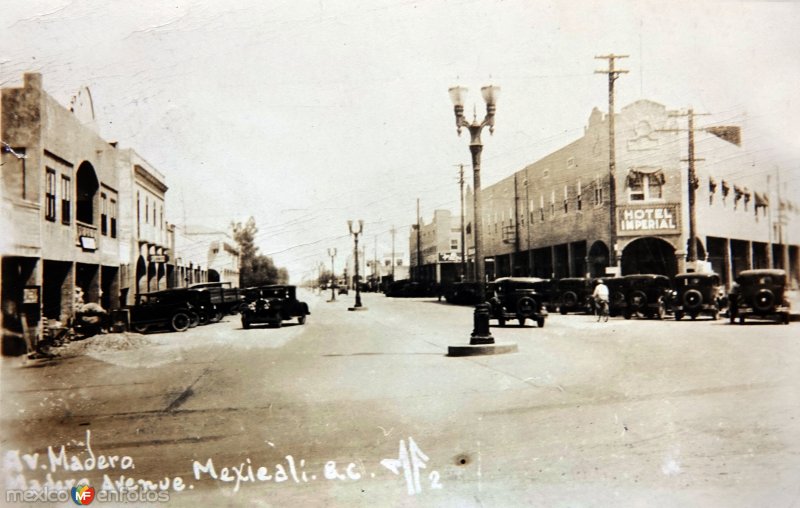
x,y
60,193
552,219
435,249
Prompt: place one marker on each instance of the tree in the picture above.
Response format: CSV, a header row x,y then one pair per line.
x,y
255,269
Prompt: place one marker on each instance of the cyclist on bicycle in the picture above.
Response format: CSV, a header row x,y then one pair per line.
x,y
600,295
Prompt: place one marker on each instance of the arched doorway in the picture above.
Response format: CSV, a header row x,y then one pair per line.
x,y
86,187
649,255
213,275
141,276
598,259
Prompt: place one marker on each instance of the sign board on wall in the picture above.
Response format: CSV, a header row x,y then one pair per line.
x,y
660,219
449,257
158,258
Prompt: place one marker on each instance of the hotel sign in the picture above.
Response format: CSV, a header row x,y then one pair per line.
x,y
663,219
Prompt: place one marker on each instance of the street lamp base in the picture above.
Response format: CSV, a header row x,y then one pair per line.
x,y
482,349
356,308
480,332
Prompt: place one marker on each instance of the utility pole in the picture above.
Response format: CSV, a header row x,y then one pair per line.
x,y
463,239
516,225
332,254
694,183
393,230
419,243
613,74
528,219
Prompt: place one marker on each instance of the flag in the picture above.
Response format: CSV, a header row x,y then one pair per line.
x,y
730,133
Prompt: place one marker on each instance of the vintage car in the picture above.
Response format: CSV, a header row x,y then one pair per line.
x,y
648,295
517,298
697,293
617,295
761,294
462,293
572,294
169,308
226,299
273,305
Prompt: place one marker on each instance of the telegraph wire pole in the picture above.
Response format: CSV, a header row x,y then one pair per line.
x,y
613,74
463,240
694,183
393,231
419,245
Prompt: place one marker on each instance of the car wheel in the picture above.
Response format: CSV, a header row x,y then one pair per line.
x,y
627,314
692,299
301,320
764,300
570,299
661,312
203,319
140,328
194,320
180,322
563,310
638,299
216,317
540,322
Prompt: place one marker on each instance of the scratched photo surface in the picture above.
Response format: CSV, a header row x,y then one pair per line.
x,y
163,162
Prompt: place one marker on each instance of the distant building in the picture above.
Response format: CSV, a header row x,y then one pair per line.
x,y
205,255
436,256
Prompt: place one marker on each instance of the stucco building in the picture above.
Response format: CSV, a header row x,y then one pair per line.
x,y
60,191
552,218
435,249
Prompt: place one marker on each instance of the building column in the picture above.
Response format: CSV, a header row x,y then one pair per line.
x,y
552,261
569,259
728,263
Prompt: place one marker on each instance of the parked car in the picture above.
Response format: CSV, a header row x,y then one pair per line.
x,y
617,296
517,298
572,294
648,295
169,308
462,293
341,289
696,294
226,299
273,305
546,288
759,293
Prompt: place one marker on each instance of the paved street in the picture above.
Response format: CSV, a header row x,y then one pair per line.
x,y
624,413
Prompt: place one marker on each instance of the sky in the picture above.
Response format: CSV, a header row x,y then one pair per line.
x,y
304,114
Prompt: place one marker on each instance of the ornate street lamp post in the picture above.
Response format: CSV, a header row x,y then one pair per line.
x,y
332,254
480,332
355,233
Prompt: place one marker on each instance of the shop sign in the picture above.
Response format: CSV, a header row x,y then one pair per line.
x,y
660,219
158,258
449,257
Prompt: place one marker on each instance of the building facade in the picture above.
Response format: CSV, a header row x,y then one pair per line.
x,y
435,249
552,219
60,191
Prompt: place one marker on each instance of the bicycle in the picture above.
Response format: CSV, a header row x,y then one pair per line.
x,y
601,310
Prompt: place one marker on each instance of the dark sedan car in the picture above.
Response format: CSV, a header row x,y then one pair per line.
x,y
517,298
648,295
760,294
572,294
273,305
170,308
696,294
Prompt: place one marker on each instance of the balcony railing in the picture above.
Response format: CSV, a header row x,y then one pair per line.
x,y
87,236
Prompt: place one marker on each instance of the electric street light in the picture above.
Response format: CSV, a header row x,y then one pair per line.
x,y
480,332
332,254
355,233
